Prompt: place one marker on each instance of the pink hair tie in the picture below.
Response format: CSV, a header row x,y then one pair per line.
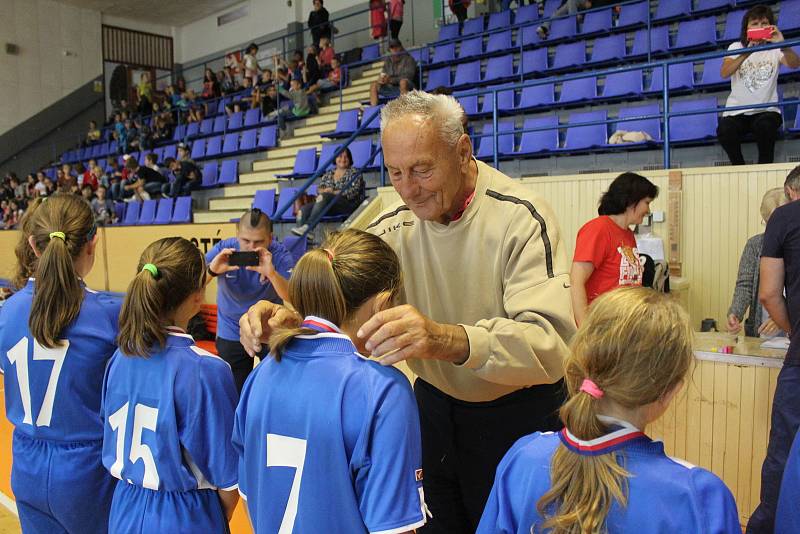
x,y
591,388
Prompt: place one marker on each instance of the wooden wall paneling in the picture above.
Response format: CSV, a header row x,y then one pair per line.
x,y
747,431
730,439
706,421
718,418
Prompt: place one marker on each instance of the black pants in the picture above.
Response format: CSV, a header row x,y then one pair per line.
x,y
241,363
394,27
310,211
460,12
764,127
463,442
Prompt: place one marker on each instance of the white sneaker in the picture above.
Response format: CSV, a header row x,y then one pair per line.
x,y
300,230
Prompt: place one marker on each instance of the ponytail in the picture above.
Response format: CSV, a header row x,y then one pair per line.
x,y
333,282
169,271
26,259
60,228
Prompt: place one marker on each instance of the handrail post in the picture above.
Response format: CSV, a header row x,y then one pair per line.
x,y
494,130
649,39
665,94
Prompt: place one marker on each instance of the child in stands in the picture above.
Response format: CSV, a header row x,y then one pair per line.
x,y
346,426
56,337
168,405
601,473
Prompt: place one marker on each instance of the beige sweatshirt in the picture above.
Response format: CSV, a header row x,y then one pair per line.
x,y
501,272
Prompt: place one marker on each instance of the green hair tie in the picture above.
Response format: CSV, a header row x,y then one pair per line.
x,y
152,268
60,235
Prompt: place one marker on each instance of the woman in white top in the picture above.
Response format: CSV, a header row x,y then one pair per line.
x,y
754,80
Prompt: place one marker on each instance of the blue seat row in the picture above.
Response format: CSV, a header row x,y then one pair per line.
x,y
163,211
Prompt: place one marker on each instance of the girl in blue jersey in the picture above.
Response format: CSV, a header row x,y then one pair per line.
x,y
602,473
328,440
168,405
56,337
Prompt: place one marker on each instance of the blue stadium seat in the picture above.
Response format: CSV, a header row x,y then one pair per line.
x,y
371,52
651,126
264,200
672,9
374,123
221,103
597,22
533,61
171,151
346,124
220,123
733,26
499,42
164,213
628,83
589,136
610,48
711,73
711,5
142,157
563,28
530,37
541,141
192,130
132,213
698,33
213,146
499,20
505,141
236,120
681,76
229,173
569,55
578,90
361,150
444,53
159,152
206,127
210,174
230,144
296,245
148,212
177,135
528,13
550,7
505,99
499,68
119,210
327,154
249,140
473,26
448,31
438,78
285,201
789,16
469,103
467,74
252,117
305,163
198,149
183,210
697,127
471,47
536,96
268,137
421,55
659,41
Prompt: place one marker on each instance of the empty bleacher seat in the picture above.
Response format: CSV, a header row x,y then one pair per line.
x,y
221,103
438,78
473,26
563,28
681,76
598,21
210,174
305,163
296,245
346,124
696,127
444,53
505,140
206,127
569,55
268,137
164,212
192,130
148,212
672,9
651,126
230,144
628,83
550,7
711,5
171,151
219,123
530,37
501,19
183,210
588,136
533,61
235,120
421,55
252,117
469,103
361,150
578,90
471,47
284,210
249,140
528,13
542,140
467,74
198,149
372,123
326,160
499,42
711,72
213,146
505,100
264,200
659,41
789,16
119,211
132,213
229,172
371,52
733,26
499,68
610,48
696,33
537,95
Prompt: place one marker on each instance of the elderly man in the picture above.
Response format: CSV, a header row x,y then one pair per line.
x,y
397,76
779,293
488,313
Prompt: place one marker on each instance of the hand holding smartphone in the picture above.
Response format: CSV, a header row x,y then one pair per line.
x,y
243,259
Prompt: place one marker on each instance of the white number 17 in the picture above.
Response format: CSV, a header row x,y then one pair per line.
x,y
18,356
283,451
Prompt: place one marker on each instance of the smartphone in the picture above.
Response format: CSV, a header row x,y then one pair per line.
x,y
759,34
243,259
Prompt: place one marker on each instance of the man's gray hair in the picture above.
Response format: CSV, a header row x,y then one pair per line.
x,y
793,180
443,109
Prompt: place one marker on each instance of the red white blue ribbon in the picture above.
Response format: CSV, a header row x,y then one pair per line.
x,y
623,435
320,325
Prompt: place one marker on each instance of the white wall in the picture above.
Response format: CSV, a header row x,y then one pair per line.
x,y
41,74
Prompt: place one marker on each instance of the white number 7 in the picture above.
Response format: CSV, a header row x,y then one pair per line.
x,y
283,451
18,356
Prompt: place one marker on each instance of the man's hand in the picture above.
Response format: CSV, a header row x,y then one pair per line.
x,y
734,325
264,267
219,265
769,328
403,332
257,324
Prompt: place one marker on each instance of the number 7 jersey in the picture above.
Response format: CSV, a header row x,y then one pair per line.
x,y
54,393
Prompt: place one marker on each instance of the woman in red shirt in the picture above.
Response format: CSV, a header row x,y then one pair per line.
x,y
605,251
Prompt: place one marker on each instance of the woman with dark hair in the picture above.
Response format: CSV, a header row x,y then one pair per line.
x,y
605,250
210,85
754,80
332,183
318,23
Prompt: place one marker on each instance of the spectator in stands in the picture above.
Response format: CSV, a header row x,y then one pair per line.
x,y
143,180
41,184
250,61
266,78
239,288
180,84
163,130
93,134
145,133
151,162
397,76
606,256
50,187
754,80
131,136
87,193
326,55
30,186
67,183
265,98
227,82
196,114
395,17
97,177
187,177
779,293
103,208
342,179
333,79
114,173
311,70
318,23
145,93
17,187
377,19
12,215
459,9
301,107
210,85
745,295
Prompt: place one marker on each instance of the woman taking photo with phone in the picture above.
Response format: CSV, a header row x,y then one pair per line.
x,y
754,81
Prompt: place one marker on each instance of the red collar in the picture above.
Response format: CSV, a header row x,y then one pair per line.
x,y
467,202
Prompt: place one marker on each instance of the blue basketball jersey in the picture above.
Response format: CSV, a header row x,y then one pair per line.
x,y
54,394
168,418
664,494
328,441
238,290
787,517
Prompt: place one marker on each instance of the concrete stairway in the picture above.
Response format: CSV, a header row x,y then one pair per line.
x,y
280,160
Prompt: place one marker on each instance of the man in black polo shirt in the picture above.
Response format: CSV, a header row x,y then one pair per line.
x,y
140,177
779,293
